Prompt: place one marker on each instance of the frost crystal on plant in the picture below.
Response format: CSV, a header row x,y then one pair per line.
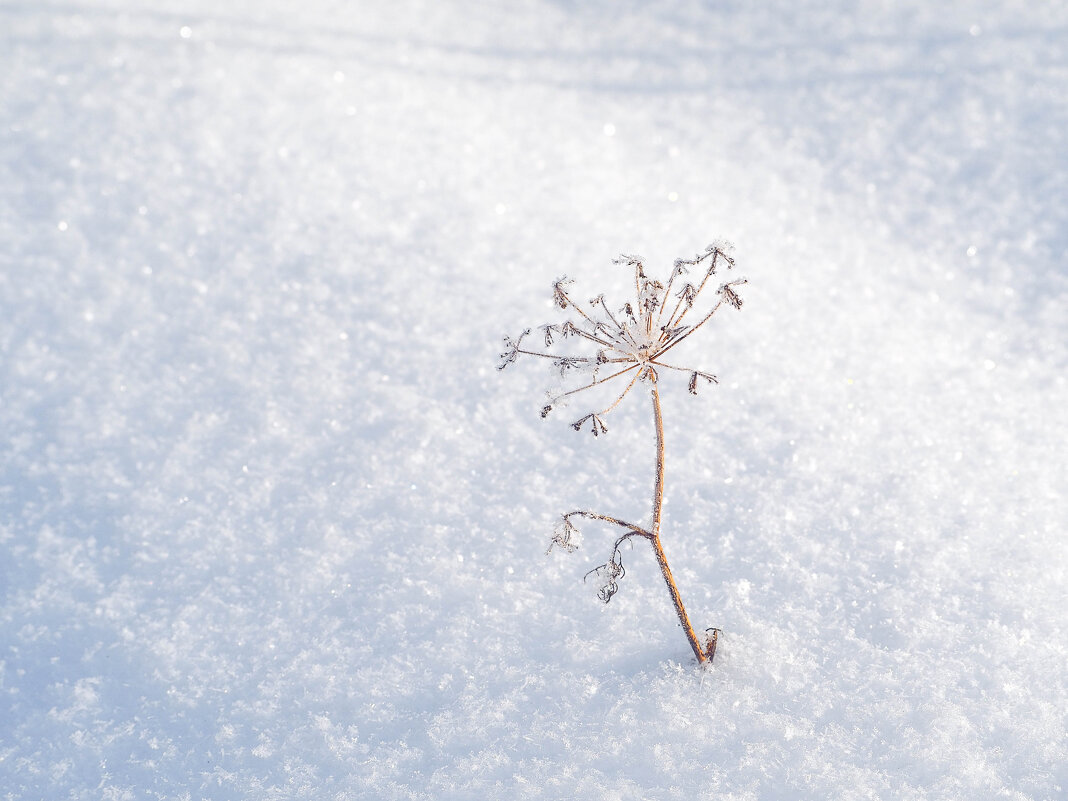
x,y
562,536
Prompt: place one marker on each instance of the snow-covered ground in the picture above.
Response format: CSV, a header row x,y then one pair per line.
x,y
272,525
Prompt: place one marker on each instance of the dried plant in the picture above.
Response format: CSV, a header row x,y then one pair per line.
x,y
629,345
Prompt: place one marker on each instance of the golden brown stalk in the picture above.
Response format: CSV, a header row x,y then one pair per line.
x,y
702,654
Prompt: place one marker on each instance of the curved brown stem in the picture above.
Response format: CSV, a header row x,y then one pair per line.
x,y
641,532
703,654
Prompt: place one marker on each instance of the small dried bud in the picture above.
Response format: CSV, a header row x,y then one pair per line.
x,y
565,363
545,410
560,297
511,350
565,530
730,296
597,426
693,380
603,328
609,573
632,261
723,250
688,295
711,379
599,423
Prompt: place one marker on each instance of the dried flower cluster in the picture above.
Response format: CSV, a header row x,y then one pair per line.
x,y
631,342
629,345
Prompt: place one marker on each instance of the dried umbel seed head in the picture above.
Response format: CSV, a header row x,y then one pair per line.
x,y
632,344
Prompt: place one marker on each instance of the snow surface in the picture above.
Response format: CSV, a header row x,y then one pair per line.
x,y
272,526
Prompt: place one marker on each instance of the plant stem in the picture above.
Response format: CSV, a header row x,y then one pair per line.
x,y
658,548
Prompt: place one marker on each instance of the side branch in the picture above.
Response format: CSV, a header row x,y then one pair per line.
x,y
638,530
